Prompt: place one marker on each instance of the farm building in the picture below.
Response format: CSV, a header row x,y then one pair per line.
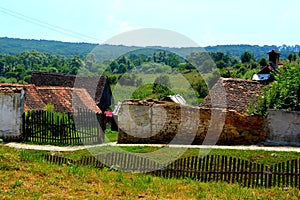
x,y
17,98
98,87
64,99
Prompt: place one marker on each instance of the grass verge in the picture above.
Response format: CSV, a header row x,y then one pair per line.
x,y
23,176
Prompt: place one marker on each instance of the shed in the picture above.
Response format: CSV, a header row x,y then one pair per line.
x,y
64,99
98,87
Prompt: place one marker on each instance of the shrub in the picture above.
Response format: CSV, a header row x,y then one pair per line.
x,y
283,93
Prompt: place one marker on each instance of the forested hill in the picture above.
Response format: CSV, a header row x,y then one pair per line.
x,y
14,46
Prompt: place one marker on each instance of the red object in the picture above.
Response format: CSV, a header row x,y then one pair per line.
x,y
108,114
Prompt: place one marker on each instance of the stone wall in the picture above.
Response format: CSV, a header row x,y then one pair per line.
x,y
167,122
284,127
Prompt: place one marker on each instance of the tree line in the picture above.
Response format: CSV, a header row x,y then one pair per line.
x,y
18,68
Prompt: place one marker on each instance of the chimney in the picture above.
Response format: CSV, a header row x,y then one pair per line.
x,y
274,59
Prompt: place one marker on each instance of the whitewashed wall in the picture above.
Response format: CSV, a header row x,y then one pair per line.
x,y
284,126
11,109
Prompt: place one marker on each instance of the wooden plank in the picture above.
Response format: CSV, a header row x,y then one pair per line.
x,y
229,172
244,167
190,164
216,168
211,165
203,167
226,169
270,176
249,174
206,168
296,173
292,173
260,179
221,165
198,168
279,172
184,167
254,173
234,174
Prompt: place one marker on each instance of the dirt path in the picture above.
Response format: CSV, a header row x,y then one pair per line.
x,y
74,148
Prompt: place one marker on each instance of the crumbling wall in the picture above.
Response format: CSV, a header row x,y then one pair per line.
x,y
166,122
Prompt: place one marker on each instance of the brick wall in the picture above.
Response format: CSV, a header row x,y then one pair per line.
x,y
167,122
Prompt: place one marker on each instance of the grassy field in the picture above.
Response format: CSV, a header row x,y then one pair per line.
x,y
179,84
23,175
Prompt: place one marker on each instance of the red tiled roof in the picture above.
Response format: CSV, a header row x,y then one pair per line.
x,y
64,99
93,84
238,93
10,88
267,70
33,100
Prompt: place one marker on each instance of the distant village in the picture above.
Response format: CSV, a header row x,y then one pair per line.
x,y
69,92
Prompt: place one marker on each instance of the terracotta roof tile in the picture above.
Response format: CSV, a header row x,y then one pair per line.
x,y
33,100
10,88
66,99
238,93
93,84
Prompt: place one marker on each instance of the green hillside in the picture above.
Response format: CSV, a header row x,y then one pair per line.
x,y
15,46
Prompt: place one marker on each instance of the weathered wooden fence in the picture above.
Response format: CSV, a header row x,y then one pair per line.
x,y
62,128
207,168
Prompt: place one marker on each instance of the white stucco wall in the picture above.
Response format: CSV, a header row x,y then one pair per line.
x,y
284,126
11,109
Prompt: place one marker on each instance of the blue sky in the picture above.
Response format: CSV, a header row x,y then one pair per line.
x,y
211,22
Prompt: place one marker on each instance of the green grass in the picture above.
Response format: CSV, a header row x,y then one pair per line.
x,y
110,136
28,178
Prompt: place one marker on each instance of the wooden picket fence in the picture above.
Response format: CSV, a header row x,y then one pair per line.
x,y
45,127
205,169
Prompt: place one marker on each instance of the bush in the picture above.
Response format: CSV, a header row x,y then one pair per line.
x,y
283,93
161,86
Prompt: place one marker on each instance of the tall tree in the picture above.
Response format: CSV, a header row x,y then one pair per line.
x,y
246,57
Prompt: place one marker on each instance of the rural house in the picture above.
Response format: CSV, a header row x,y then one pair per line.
x,y
272,67
17,98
